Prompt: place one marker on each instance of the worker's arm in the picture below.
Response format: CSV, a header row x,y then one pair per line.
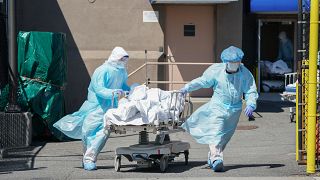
x,y
207,80
98,83
125,87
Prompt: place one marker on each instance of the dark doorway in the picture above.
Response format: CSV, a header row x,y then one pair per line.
x,y
273,64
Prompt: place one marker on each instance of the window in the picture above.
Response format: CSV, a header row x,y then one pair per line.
x,y
189,30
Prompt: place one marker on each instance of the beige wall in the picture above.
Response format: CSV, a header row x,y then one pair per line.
x,y
93,29
180,48
229,26
217,27
95,26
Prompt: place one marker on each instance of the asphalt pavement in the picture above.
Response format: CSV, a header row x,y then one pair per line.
x,y
260,149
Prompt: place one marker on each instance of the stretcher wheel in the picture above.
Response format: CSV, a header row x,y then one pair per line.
x,y
163,163
117,163
291,117
186,157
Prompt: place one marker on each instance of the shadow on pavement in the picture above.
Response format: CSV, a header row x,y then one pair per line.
x,y
274,107
20,159
175,167
121,135
227,168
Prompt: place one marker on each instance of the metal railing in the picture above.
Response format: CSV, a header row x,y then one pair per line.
x,y
170,82
290,78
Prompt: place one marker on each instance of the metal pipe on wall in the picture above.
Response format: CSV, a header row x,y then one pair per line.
x,y
12,56
3,46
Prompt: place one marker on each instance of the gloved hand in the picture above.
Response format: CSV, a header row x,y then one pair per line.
x,y
248,111
184,90
120,92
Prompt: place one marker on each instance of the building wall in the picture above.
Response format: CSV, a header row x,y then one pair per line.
x,y
93,30
189,49
229,26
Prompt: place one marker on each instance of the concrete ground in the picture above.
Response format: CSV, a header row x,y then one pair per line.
x,y
259,149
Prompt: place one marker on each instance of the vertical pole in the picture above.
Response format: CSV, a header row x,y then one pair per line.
x,y
298,133
171,84
3,46
312,93
146,64
299,85
259,55
12,55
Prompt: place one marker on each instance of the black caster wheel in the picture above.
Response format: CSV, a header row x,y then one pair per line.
x,y
186,157
163,163
117,163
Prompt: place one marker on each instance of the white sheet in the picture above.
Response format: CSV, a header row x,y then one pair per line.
x,y
278,67
145,106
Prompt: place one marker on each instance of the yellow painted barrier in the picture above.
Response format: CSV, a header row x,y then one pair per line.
x,y
312,90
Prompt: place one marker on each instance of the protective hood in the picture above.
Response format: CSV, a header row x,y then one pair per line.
x,y
116,57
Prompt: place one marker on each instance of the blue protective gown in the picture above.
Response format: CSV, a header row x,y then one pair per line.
x,y
286,52
87,123
215,122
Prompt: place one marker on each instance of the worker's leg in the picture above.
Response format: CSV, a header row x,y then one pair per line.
x,y
215,158
215,152
93,138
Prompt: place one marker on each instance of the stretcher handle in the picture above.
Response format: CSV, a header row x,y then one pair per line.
x,y
182,102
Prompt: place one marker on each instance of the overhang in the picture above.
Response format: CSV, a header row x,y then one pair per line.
x,y
190,1
278,6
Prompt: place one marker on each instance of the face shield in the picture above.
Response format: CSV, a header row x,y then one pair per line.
x,y
123,62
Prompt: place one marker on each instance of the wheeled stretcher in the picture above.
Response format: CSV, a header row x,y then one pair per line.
x,y
162,150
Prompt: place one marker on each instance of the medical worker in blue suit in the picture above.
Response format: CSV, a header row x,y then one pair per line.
x,y
87,123
214,123
285,49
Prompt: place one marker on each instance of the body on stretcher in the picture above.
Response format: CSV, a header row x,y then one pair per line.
x,y
167,118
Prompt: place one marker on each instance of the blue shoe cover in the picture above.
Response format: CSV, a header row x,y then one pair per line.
x,y
217,165
209,161
90,166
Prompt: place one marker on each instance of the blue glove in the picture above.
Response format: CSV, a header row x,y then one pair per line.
x,y
248,111
184,90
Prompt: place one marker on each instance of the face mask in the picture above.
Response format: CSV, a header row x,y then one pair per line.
x,y
122,63
233,67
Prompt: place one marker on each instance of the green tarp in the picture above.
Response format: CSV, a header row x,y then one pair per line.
x,y
42,66
42,56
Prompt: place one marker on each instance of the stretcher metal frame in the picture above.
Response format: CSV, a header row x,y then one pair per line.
x,y
290,78
162,150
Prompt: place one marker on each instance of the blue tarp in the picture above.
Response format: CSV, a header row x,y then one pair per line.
x,y
277,6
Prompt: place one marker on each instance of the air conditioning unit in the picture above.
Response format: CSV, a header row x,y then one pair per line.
x,y
15,130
